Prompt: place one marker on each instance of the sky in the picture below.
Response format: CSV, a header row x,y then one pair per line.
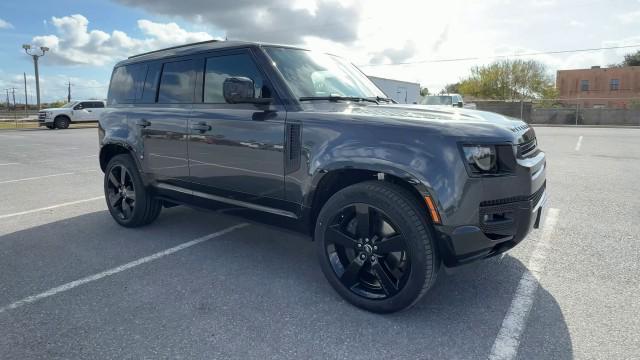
x,y
86,38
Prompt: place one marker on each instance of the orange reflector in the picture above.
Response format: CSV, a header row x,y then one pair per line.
x,y
432,210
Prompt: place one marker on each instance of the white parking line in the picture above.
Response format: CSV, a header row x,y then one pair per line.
x,y
65,159
508,339
5,164
45,176
70,285
51,207
579,144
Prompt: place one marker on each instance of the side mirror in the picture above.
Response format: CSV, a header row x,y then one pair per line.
x,y
78,107
460,104
241,90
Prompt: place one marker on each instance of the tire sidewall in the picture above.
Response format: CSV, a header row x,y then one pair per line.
x,y
414,228
139,210
62,122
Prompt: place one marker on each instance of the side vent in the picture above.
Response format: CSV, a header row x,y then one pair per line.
x,y
293,149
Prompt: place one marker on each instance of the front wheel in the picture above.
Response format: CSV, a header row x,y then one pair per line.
x,y
61,122
130,203
376,246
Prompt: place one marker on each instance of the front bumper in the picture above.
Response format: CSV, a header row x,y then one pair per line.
x,y
501,220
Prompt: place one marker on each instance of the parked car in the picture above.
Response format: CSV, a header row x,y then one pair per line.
x,y
453,100
389,192
72,112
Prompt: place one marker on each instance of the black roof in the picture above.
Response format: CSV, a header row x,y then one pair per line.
x,y
188,49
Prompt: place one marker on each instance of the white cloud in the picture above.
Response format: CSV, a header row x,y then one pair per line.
x,y
75,44
577,23
630,17
4,24
54,87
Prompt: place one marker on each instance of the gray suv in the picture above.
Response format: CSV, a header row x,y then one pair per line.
x,y
388,192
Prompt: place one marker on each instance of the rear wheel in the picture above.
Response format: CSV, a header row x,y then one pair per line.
x,y
61,122
376,247
130,203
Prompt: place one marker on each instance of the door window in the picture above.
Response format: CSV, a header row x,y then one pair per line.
x,y
221,67
177,82
126,84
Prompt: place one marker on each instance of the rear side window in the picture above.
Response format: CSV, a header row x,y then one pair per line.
x,y
126,84
221,67
177,82
97,104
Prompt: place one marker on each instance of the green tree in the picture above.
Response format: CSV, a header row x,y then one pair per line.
x,y
629,60
509,79
452,88
424,91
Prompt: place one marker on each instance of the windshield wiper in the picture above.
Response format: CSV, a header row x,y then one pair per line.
x,y
338,98
387,100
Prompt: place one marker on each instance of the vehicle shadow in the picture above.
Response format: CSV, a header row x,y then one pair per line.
x,y
255,293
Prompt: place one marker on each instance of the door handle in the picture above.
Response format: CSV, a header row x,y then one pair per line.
x,y
143,123
201,126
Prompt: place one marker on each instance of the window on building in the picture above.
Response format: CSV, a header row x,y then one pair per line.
x,y
615,84
584,85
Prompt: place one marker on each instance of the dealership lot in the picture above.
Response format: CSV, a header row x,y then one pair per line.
x,y
199,284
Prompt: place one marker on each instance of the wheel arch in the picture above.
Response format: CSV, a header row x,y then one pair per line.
x,y
332,179
62,116
109,150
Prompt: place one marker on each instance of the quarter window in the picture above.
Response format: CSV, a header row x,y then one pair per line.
x,y
615,84
177,82
126,84
221,67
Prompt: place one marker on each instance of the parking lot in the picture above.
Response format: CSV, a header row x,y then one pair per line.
x,y
198,284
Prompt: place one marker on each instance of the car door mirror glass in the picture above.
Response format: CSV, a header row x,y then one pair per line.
x,y
241,90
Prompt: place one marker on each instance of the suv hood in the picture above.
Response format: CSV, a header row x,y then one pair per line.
x,y
52,109
459,122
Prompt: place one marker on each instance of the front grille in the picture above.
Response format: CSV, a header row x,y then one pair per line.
x,y
527,148
535,197
41,116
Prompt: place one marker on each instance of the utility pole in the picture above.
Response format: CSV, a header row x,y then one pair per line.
x,y
26,101
69,92
43,49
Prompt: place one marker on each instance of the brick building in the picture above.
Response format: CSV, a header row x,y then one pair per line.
x,y
600,87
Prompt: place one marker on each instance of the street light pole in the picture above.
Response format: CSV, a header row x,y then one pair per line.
x,y
35,56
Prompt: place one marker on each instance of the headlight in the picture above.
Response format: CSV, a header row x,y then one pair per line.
x,y
481,158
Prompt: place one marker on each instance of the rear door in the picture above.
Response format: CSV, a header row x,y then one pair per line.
x,y
161,117
236,150
97,109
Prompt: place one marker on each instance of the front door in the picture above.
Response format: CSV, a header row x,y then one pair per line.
x,y
236,150
83,111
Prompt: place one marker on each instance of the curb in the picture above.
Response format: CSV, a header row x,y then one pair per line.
x,y
588,126
44,128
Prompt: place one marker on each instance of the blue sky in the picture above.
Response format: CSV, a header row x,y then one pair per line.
x,y
87,37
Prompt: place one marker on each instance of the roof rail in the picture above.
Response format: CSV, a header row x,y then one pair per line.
x,y
174,47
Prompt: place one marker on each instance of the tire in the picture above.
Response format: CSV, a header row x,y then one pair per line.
x,y
62,122
394,263
130,203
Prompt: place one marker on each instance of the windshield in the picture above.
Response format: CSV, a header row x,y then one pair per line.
x,y
311,74
437,100
68,105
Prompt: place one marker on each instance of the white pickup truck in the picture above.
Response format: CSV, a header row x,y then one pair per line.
x,y
73,112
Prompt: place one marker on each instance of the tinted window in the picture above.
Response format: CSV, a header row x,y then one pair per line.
x,y
97,104
126,84
221,67
177,82
151,84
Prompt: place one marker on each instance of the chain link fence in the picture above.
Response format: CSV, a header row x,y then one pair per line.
x,y
581,111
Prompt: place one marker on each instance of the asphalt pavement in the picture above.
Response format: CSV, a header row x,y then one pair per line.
x,y
212,285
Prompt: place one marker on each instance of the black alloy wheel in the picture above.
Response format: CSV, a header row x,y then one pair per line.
x,y
130,203
367,252
121,192
376,246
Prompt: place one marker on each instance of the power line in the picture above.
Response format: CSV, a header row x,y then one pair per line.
x,y
504,56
